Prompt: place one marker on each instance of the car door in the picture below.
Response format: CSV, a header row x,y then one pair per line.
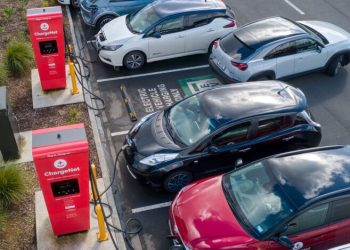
x,y
200,32
282,57
271,134
172,40
309,56
309,230
340,221
221,151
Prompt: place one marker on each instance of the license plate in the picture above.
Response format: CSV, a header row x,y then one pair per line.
x,y
223,67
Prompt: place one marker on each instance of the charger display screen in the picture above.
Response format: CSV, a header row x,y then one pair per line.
x,y
48,47
66,187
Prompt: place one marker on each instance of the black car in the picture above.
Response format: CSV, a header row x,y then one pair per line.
x,y
211,131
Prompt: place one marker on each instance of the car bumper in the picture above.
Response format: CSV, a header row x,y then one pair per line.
x,y
152,179
110,57
220,73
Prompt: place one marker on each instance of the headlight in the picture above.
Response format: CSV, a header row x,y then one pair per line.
x,y
111,47
157,159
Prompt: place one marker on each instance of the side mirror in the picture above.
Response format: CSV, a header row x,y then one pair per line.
x,y
213,149
155,35
284,241
319,49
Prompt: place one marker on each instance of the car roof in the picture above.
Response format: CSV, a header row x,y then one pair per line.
x,y
262,32
170,7
312,174
241,100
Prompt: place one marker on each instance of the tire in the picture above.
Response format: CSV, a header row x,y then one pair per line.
x,y
75,3
177,180
103,20
335,66
134,60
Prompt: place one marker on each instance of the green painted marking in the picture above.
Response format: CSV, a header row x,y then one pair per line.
x,y
196,84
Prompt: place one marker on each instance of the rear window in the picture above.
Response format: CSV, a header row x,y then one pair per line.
x,y
235,48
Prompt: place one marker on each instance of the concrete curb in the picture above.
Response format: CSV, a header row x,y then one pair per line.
x,y
101,145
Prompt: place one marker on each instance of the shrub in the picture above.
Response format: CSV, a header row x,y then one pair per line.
x,y
73,115
12,186
3,74
19,57
8,12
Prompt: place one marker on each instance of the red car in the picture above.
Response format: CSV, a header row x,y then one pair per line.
x,y
297,200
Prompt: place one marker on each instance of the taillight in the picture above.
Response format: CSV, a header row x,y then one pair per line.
x,y
241,66
231,24
215,44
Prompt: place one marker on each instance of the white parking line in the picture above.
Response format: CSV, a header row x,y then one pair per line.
x,y
152,73
119,133
91,41
294,7
151,207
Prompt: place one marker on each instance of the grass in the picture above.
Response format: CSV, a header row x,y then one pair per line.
x,y
18,57
8,12
73,115
3,74
47,3
12,186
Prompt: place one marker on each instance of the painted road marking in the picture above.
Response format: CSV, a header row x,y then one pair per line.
x,y
119,133
91,41
294,7
152,73
151,207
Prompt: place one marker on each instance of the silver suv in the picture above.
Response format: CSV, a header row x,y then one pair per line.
x,y
277,47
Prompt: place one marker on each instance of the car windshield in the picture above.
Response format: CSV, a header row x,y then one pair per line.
x,y
257,197
189,122
143,19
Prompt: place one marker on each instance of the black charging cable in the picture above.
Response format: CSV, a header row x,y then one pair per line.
x,y
97,200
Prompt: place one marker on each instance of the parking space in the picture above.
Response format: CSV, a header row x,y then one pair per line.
x,y
160,84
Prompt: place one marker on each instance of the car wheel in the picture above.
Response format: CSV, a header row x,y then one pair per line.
x,y
75,3
103,20
134,60
335,66
177,180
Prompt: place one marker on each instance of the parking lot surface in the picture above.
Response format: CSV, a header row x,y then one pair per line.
x,y
160,84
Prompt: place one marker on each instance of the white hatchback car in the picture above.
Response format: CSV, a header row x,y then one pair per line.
x,y
277,48
162,30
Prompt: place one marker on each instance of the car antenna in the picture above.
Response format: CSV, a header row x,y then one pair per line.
x,y
279,91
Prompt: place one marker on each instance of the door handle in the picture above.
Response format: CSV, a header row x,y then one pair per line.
x,y
195,161
180,36
300,58
244,150
210,30
288,138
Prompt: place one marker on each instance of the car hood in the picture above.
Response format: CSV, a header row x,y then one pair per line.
x,y
151,137
332,32
204,218
116,31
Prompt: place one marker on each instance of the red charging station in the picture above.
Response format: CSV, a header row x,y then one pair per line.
x,y
47,36
62,164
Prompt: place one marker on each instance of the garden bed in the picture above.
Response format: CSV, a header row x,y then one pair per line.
x,y
19,230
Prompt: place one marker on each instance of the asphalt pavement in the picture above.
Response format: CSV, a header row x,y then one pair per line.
x,y
160,84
